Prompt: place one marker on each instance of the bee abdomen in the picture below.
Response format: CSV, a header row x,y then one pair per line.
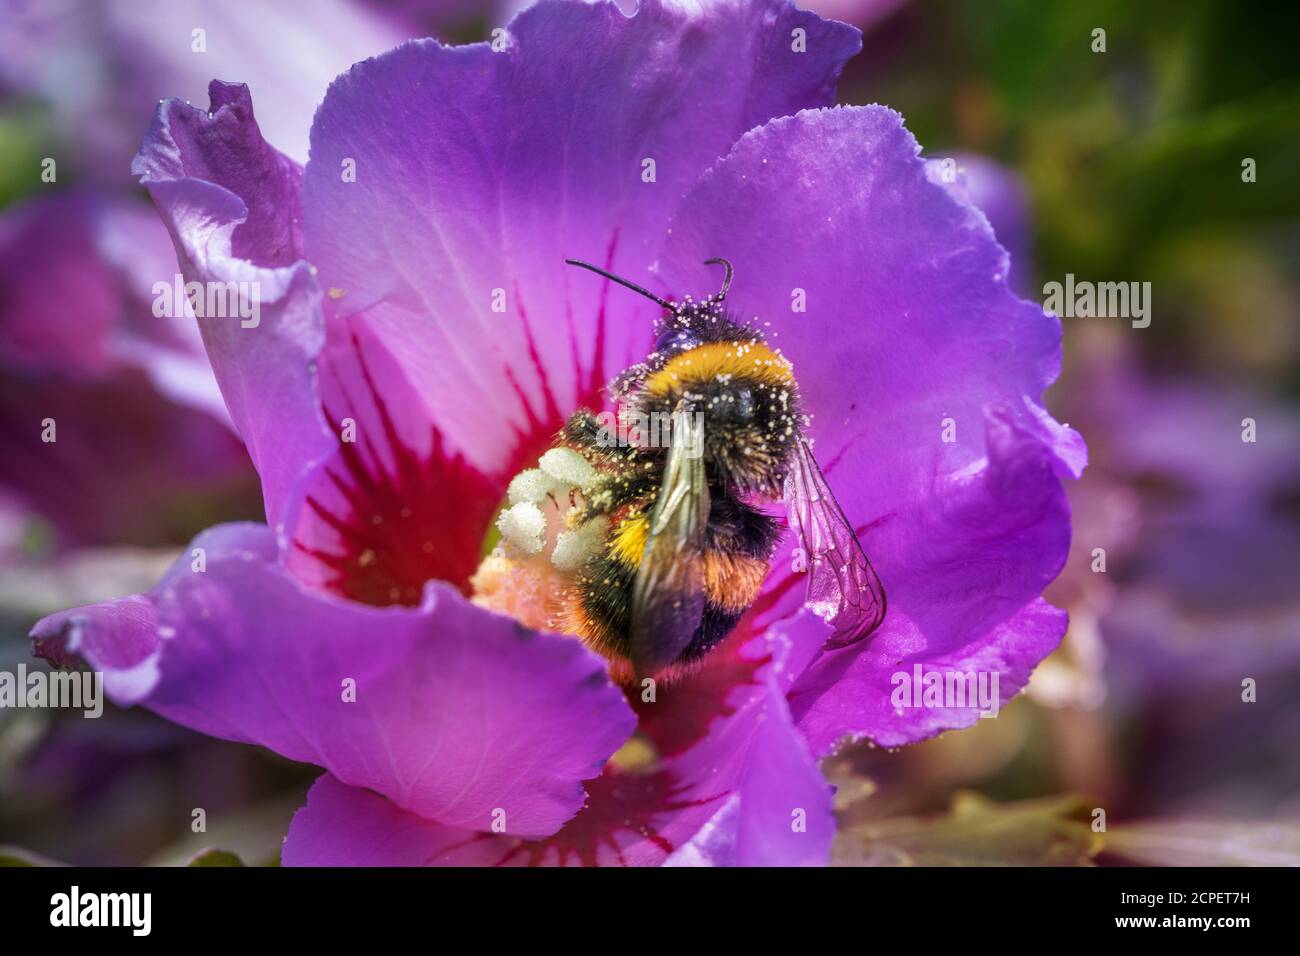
x,y
735,562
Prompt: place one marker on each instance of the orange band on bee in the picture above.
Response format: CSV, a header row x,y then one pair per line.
x,y
706,363
572,618
732,581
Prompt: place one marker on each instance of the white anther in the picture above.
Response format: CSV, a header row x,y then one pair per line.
x,y
573,549
523,527
568,467
532,485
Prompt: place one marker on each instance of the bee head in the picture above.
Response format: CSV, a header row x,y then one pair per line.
x,y
726,371
749,400
691,324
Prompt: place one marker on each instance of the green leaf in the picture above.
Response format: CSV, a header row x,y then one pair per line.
x,y
215,857
977,832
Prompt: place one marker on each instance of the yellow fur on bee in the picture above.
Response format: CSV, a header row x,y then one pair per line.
x,y
627,544
732,581
751,360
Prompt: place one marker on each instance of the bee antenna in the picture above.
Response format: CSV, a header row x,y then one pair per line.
x,y
726,278
626,283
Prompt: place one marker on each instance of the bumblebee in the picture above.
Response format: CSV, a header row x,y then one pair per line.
x,y
656,526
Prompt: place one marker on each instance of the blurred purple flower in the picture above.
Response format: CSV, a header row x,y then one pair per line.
x,y
1199,534
81,342
860,13
1199,527
83,352
470,735
99,65
77,272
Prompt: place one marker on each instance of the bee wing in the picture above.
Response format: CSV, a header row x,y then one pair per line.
x,y
668,592
843,588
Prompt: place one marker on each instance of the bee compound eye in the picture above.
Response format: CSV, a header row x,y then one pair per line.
x,y
745,405
672,341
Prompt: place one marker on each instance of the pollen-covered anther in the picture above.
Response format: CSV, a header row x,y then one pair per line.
x,y
542,540
523,528
532,485
575,548
568,468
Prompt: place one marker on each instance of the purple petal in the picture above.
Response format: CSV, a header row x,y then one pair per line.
x,y
395,507
456,712
779,813
1002,198
477,172
909,283
230,203
224,148
131,239
118,638
348,826
749,792
851,697
926,404
964,600
863,13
